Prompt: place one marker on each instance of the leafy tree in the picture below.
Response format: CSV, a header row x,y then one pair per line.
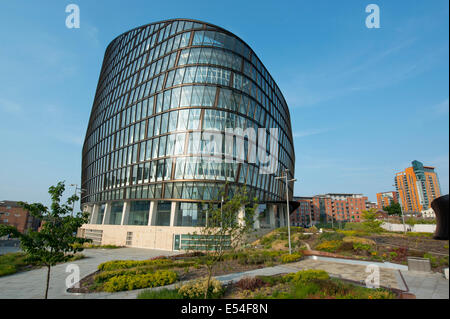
x,y
224,231
393,209
370,223
56,241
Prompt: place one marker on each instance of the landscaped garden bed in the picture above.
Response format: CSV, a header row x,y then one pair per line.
x,y
305,284
121,275
360,243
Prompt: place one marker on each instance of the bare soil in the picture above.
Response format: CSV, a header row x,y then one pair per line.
x,y
423,244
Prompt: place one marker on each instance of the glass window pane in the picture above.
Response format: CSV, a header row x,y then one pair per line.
x,y
139,212
163,213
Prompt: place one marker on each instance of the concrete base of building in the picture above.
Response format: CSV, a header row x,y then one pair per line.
x,y
154,237
170,237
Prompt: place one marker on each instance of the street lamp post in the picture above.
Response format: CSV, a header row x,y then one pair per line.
x,y
221,213
401,210
287,205
75,193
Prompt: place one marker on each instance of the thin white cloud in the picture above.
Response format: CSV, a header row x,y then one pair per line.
x,y
305,133
10,107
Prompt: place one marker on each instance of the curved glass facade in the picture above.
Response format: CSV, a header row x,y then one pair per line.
x,y
165,91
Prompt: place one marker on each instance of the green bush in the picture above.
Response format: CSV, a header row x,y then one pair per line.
x,y
195,289
359,246
329,246
291,258
393,255
130,282
124,264
267,240
305,276
433,259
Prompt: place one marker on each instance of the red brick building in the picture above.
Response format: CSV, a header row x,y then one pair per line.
x,y
336,207
12,214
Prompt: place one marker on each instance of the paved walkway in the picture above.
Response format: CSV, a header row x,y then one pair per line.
x,y
427,285
31,284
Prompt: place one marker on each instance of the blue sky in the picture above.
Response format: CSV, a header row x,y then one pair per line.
x,y
364,102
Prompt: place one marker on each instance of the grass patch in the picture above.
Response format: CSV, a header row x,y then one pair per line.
x,y
160,294
12,262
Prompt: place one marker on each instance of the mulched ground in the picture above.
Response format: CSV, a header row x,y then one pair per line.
x,y
413,243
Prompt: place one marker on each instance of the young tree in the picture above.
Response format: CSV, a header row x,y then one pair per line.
x,y
393,209
56,241
225,229
370,223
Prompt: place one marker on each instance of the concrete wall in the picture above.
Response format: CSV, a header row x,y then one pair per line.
x,y
418,228
424,228
157,237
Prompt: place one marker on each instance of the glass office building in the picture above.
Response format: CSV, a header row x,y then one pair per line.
x,y
170,96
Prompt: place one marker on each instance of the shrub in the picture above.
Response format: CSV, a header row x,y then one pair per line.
x,y
433,259
130,282
291,258
359,246
196,289
393,255
329,246
271,280
443,261
400,253
124,264
257,258
360,240
250,283
328,236
267,240
305,276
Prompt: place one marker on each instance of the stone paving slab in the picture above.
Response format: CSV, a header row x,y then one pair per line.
x,y
427,285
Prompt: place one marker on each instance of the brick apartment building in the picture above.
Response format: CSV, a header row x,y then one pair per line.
x,y
336,207
386,198
12,214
